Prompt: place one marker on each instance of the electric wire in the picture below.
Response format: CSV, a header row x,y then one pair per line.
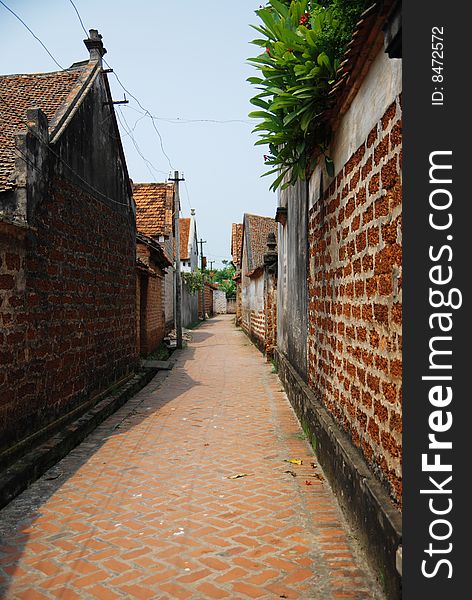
x,y
48,147
128,131
79,17
32,33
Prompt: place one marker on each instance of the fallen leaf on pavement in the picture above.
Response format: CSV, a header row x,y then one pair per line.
x,y
292,473
313,465
294,461
308,482
238,475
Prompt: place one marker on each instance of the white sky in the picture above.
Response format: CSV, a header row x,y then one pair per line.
x,y
184,60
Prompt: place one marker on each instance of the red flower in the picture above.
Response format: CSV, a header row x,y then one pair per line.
x,y
268,50
305,18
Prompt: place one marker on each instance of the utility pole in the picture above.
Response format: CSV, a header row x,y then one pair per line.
x,y
211,264
201,242
178,282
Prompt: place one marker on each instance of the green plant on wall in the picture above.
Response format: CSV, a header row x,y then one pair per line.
x,y
303,41
194,280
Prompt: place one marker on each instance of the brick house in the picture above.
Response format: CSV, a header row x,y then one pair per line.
x,y
67,248
255,231
154,219
339,335
151,265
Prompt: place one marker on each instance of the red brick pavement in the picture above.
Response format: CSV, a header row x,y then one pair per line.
x,y
144,507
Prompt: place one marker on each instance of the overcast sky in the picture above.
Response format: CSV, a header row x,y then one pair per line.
x,y
183,61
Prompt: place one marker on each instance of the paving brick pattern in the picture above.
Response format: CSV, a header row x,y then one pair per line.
x,y
144,507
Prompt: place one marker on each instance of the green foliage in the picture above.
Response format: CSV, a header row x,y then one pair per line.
x,y
303,41
225,278
194,281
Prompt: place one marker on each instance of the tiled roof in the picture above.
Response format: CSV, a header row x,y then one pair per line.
x,y
154,208
184,237
256,230
366,41
236,243
156,249
53,93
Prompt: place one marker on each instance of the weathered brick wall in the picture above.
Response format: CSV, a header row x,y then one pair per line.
x,y
138,311
253,324
270,317
208,302
220,305
68,309
153,322
355,299
238,303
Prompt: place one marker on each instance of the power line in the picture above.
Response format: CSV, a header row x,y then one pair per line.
x,y
32,33
188,197
184,121
80,18
146,111
128,131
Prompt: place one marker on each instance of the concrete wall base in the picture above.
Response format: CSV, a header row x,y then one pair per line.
x,y
365,503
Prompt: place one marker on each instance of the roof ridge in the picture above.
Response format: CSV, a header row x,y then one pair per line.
x,y
153,183
44,73
71,104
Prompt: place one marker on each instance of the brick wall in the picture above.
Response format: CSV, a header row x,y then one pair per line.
x,y
138,311
270,308
151,322
239,309
355,300
220,305
253,324
68,309
208,302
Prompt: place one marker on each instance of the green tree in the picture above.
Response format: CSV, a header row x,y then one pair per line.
x,y
302,43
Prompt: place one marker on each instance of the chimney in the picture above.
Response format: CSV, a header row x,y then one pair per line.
x,y
94,45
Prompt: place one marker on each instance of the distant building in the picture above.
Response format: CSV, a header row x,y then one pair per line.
x,y
154,218
255,231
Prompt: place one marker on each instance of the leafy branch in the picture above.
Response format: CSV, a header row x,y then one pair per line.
x,y
303,41
194,281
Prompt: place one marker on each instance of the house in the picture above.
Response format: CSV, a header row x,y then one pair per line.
x,y
151,265
67,249
339,305
188,244
254,234
155,205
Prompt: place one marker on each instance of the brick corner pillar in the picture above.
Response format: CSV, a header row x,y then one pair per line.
x,y
270,295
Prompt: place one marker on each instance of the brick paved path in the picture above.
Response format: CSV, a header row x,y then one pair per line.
x,y
144,507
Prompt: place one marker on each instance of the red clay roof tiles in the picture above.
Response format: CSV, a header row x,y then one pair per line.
x,y
51,92
184,237
154,208
236,243
256,230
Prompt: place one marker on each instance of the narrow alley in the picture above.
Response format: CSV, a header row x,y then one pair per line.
x,y
186,492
